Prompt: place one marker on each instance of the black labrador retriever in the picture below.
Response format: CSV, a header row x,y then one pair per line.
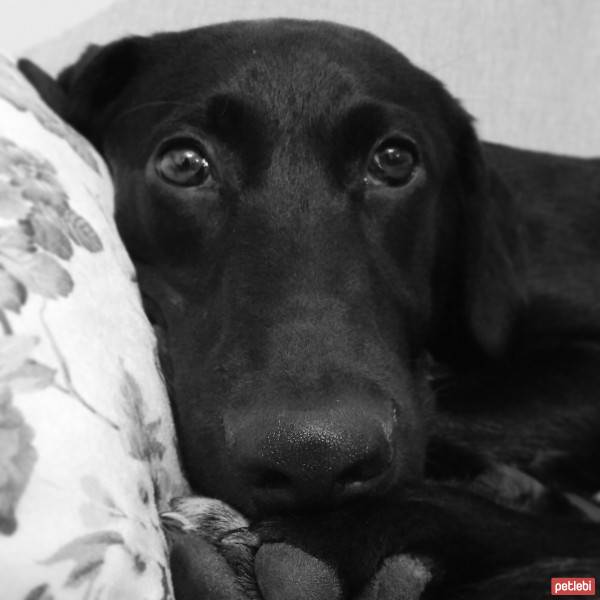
x,y
361,308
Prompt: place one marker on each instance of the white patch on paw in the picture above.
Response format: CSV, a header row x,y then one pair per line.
x,y
212,518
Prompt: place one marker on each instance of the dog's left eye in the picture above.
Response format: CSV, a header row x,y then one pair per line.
x,y
184,166
393,163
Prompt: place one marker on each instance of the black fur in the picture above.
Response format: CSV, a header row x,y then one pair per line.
x,y
293,297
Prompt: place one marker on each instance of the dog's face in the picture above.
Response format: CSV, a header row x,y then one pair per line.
x,y
310,216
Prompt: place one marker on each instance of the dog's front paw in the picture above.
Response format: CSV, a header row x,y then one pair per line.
x,y
402,576
285,572
303,559
211,550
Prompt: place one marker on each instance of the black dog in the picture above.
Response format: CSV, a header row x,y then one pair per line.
x,y
314,223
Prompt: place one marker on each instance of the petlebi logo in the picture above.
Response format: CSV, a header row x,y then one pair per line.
x,y
573,586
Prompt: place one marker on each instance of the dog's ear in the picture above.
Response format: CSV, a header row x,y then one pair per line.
x,y
84,92
490,255
47,87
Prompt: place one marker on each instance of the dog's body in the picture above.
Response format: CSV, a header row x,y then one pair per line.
x,y
541,407
312,219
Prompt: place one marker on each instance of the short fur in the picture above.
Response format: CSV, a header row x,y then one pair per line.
x,y
292,297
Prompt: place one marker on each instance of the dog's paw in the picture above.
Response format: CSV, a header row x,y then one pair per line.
x,y
402,576
285,572
341,555
211,550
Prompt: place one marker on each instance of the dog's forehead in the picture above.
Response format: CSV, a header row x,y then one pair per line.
x,y
297,86
283,65
273,82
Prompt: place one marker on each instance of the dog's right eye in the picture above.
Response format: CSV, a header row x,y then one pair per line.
x,y
184,165
393,163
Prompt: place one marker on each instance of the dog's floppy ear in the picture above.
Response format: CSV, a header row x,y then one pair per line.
x,y
84,92
47,87
489,247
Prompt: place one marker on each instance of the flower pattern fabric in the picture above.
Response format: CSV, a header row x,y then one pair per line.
x,y
87,447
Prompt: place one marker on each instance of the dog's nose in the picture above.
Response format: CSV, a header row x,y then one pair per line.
x,y
317,458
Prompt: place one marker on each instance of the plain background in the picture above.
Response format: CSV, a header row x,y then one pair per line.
x,y
528,70
26,24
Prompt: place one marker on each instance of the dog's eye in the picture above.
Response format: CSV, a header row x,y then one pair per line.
x,y
184,165
393,163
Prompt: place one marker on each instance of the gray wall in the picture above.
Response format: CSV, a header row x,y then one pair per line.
x,y
24,24
529,70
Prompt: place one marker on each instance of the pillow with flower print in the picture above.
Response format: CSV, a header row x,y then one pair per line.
x,y
87,450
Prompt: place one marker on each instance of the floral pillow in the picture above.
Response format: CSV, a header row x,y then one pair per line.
x,y
87,450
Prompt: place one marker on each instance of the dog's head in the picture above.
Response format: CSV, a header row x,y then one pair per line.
x,y
310,217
